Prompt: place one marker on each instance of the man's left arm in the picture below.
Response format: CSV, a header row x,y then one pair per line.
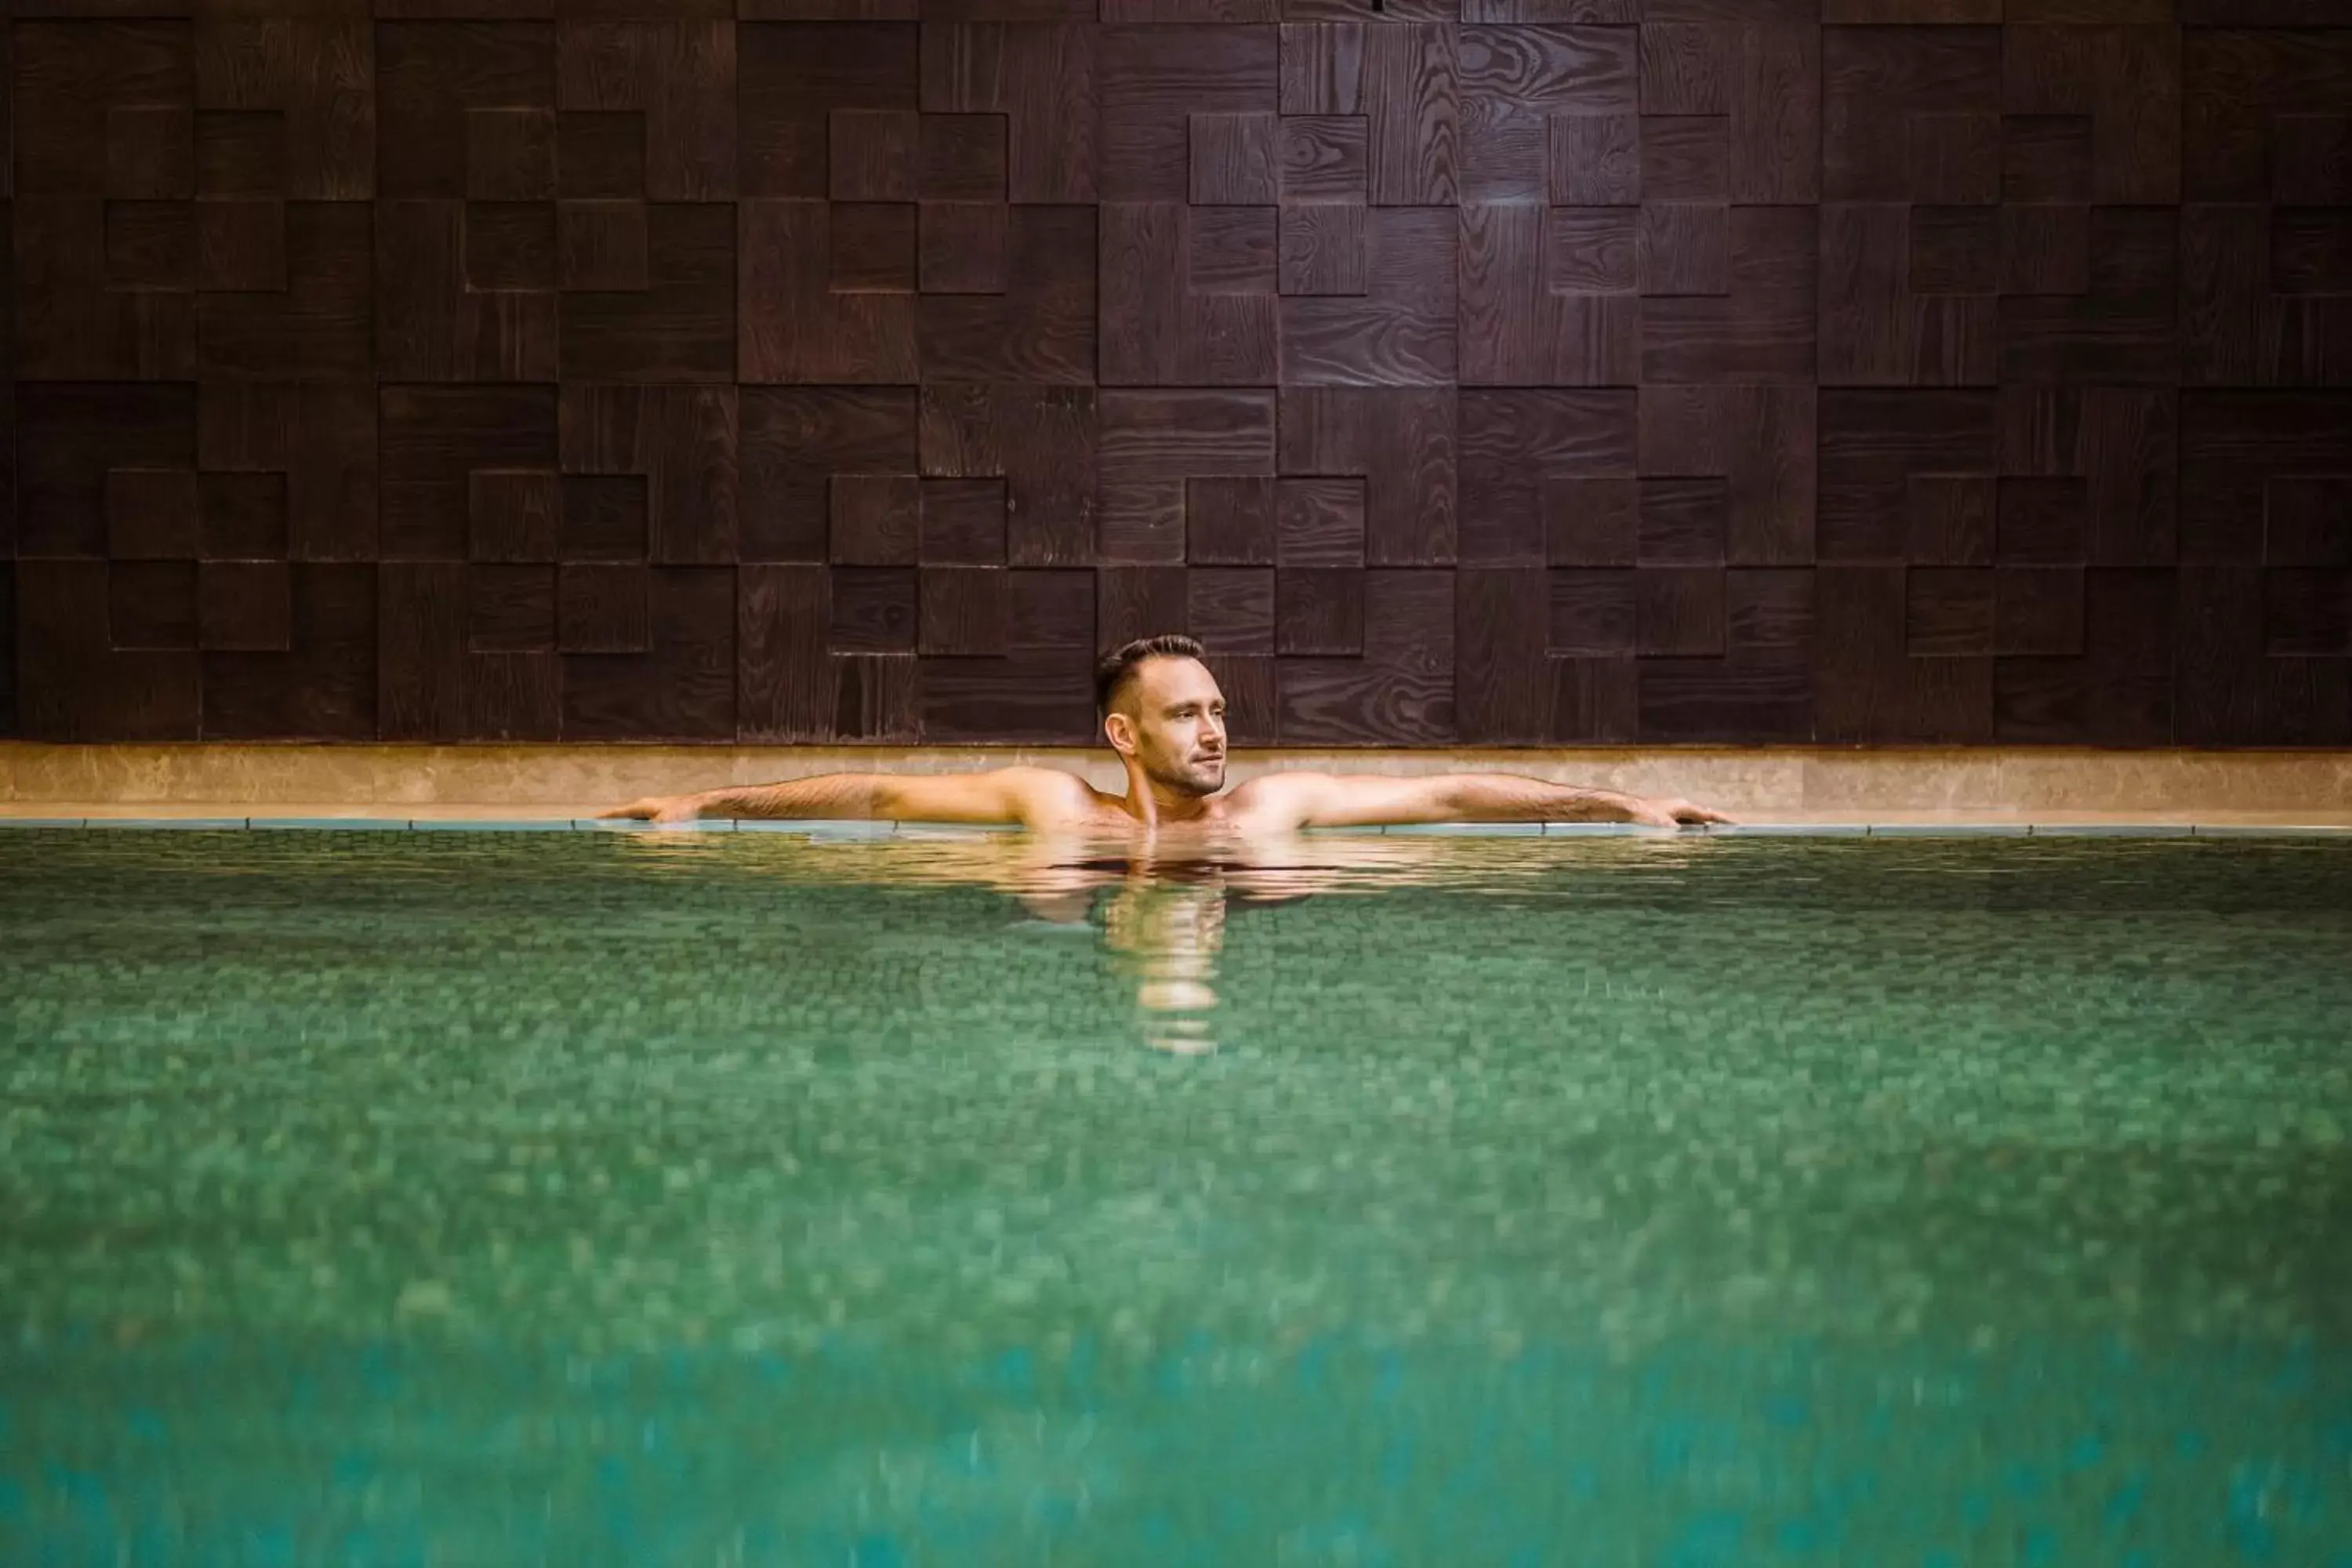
x,y
1325,800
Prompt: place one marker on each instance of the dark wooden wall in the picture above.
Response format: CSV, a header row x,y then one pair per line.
x,y
1458,370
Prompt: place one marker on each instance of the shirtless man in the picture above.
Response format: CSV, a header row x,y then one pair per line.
x,y
1165,717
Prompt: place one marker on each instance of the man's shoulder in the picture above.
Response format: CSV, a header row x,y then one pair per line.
x,y
1277,790
1044,778
1282,781
1054,786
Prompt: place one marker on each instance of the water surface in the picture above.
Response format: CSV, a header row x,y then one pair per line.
x,y
411,1197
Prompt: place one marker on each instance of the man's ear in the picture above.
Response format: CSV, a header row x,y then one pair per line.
x,y
1119,729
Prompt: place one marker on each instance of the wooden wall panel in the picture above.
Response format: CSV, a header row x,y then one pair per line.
x,y
1518,371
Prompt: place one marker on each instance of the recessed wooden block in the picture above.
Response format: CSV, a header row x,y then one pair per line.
x,y
2308,519
1229,521
1318,521
1683,521
1948,519
873,247
874,154
1686,158
510,155
1592,521
877,518
1133,602
511,514
151,514
601,154
1685,249
962,248
876,697
1322,249
963,522
605,518
1251,685
1596,160
2045,158
602,246
2045,249
151,247
2311,160
873,610
2038,610
510,608
1594,699
2311,252
1954,158
1592,612
1323,157
1593,250
962,158
1232,250
244,606
510,246
1050,611
2307,612
151,603
1318,610
240,153
963,610
243,516
150,151
1501,679
241,245
2135,251
2042,522
602,609
1678,610
1947,611
1233,160
1956,250
1231,608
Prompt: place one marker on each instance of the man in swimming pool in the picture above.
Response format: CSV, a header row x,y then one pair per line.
x,y
1165,717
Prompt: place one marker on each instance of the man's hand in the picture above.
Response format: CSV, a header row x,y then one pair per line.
x,y
660,808
1666,812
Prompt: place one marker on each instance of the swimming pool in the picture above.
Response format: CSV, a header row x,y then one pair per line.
x,y
736,1197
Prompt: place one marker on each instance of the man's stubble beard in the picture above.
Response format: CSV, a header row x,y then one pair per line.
x,y
1192,785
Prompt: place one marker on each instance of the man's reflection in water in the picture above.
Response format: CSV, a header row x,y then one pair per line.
x,y
1167,936
1163,907
1164,918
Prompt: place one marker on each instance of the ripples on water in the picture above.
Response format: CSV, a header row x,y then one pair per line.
x,y
729,1197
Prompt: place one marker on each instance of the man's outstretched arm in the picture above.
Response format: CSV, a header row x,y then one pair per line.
x,y
1324,800
1002,795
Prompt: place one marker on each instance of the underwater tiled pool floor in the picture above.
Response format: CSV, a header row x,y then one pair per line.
x,y
845,1193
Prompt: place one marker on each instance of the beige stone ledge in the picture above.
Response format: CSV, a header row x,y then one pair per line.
x,y
1792,784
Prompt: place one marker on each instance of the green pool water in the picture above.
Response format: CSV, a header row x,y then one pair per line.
x,y
644,1198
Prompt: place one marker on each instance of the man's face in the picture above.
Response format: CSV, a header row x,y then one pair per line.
x,y
1179,719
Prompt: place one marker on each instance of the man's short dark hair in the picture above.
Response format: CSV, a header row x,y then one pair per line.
x,y
1118,665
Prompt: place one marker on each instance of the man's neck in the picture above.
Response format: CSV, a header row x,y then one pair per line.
x,y
1155,806
1170,805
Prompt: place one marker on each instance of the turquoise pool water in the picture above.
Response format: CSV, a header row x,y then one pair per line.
x,y
731,1198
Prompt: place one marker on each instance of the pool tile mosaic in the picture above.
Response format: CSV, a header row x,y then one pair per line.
x,y
1657,1199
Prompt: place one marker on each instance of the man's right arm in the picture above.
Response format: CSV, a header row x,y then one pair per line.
x,y
1021,795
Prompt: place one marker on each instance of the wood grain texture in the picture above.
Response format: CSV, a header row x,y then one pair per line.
x,y
1502,673
1402,441
1529,462
1231,608
324,681
1523,372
